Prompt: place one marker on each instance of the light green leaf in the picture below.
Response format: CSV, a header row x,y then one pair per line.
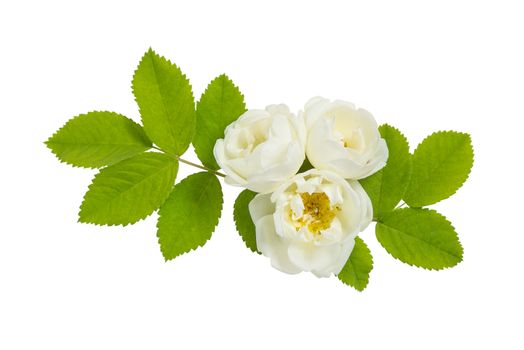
x,y
386,187
166,103
360,263
243,221
189,216
441,164
220,105
97,139
129,191
420,237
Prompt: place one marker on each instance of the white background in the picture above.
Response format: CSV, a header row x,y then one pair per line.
x,y
421,66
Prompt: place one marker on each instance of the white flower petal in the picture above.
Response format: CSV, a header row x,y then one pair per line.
x,y
343,139
297,205
308,256
262,148
233,178
261,206
333,234
273,246
283,232
314,107
338,264
366,207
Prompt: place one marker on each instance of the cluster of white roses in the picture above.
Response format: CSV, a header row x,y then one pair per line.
x,y
306,221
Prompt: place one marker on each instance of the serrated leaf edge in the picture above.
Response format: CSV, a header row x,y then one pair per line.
x,y
422,267
470,142
221,76
372,265
79,220
184,76
235,218
409,166
214,226
47,142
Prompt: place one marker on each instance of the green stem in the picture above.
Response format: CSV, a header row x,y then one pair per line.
x,y
217,173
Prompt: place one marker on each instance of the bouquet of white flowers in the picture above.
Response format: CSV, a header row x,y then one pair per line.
x,y
313,180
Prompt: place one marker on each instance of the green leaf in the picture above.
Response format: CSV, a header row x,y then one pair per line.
x,y
189,216
97,139
129,191
243,221
166,103
441,164
220,105
305,166
420,237
387,186
360,263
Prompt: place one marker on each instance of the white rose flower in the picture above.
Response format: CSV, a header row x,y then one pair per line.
x,y
343,139
310,222
262,148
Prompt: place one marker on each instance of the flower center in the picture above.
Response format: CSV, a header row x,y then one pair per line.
x,y
318,212
248,140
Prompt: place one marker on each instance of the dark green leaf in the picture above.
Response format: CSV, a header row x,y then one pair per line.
x,y
243,221
305,166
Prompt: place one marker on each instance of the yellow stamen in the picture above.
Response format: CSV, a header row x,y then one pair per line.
x,y
318,212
